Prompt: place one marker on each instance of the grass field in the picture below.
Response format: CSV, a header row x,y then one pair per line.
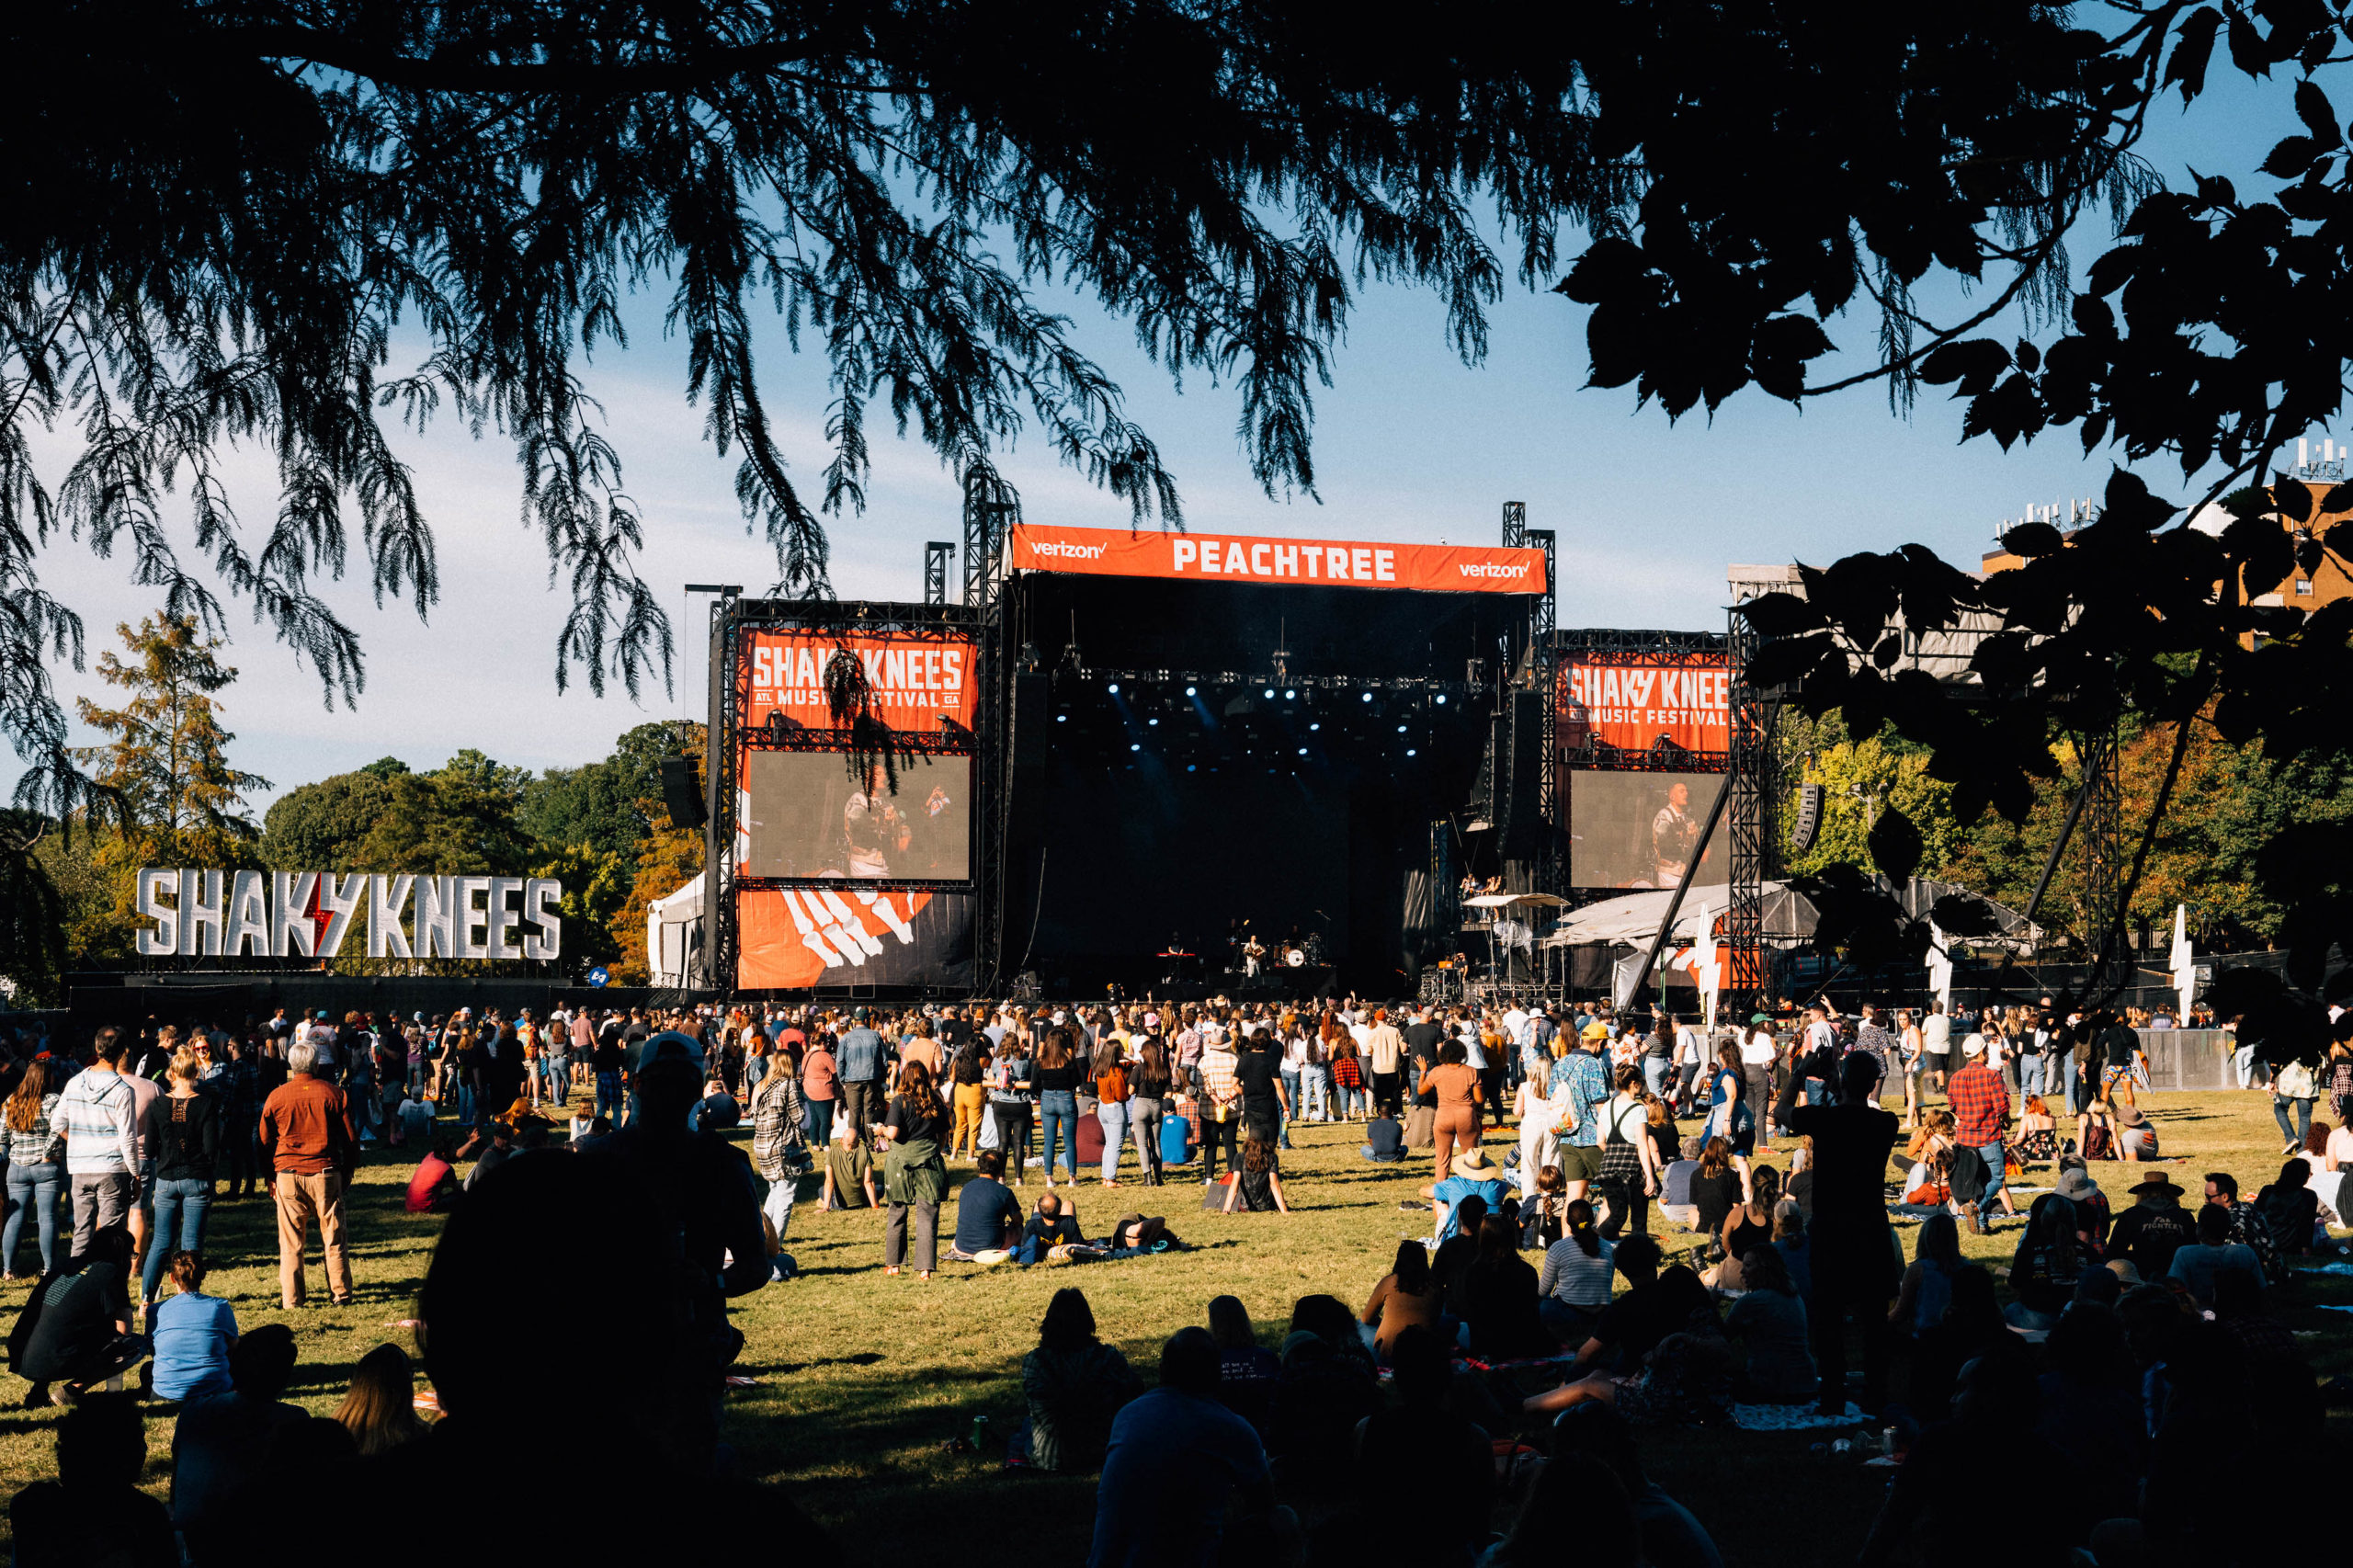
x,y
864,1380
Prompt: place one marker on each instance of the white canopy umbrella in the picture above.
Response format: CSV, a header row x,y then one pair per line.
x,y
2185,964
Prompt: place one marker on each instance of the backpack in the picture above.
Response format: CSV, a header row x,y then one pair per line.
x,y
1539,1226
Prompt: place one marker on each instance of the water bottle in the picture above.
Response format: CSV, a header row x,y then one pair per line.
x,y
980,1434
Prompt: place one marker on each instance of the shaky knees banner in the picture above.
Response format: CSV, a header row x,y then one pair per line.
x,y
1228,558
1630,700
915,680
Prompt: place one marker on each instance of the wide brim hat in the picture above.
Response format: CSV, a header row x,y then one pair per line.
x,y
2156,1183
1473,1160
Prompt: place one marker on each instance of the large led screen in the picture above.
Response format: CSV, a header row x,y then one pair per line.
x,y
1640,830
805,816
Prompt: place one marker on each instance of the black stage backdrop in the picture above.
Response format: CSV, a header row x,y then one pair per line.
x,y
1151,812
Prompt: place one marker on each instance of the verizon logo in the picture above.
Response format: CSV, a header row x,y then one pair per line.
x,y
1490,569
1068,552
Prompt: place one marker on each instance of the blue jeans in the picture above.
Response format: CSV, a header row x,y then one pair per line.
x,y
1058,1109
180,1208
34,1188
1654,1071
2062,1075
557,1069
1990,1154
1291,1098
608,1094
1114,1118
2030,1075
817,1120
1315,1087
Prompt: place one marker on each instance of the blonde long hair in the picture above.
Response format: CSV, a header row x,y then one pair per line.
x,y
380,1410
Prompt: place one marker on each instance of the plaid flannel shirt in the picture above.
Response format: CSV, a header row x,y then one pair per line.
x,y
1980,1105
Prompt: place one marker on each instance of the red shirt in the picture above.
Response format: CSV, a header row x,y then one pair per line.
x,y
1980,1105
306,1128
430,1174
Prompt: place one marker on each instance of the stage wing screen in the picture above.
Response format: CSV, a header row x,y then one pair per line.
x,y
1639,830
805,816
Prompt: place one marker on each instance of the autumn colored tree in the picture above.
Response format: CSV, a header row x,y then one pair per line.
x,y
670,858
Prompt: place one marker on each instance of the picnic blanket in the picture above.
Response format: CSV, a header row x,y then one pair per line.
x,y
1791,1417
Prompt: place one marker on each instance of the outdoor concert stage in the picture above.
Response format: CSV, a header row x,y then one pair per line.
x,y
1167,741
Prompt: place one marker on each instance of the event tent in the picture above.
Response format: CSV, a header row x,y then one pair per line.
x,y
1789,916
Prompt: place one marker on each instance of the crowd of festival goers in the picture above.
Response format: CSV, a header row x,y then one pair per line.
x,y
1624,1253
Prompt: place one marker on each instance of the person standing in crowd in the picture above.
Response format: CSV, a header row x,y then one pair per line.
x,y
1148,1089
1855,1262
1221,1110
862,1067
914,1175
779,1153
1936,1044
968,1072
307,1139
1981,1112
184,1130
1109,1076
32,1140
1455,1085
98,1114
1384,1051
1581,1093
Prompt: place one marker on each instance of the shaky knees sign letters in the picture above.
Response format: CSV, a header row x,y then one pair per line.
x,y
284,914
912,680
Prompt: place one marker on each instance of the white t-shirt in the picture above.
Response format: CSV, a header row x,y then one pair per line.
x,y
1936,1034
1687,1045
1757,1047
1514,1021
1820,1034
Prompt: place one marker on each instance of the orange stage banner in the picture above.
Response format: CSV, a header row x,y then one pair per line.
x,y
914,678
1227,558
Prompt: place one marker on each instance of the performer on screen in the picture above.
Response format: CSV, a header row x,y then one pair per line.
x,y
1673,835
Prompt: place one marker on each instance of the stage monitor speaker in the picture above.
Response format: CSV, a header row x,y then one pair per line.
x,y
682,791
1809,821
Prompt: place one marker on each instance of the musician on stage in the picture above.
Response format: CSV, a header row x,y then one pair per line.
x,y
1253,952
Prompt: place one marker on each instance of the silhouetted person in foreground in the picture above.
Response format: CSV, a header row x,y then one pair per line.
x,y
1856,1267
93,1513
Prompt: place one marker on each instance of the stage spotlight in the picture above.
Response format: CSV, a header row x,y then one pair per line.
x,y
1132,746
1188,691
1401,729
1061,717
1113,688
1367,697
1191,768
1441,700
1409,750
1291,696
1151,721
1270,694
1303,751
1316,726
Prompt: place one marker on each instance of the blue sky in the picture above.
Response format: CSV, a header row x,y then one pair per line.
x,y
1411,445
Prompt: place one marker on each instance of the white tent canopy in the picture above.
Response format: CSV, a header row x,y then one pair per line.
x,y
671,923
1635,917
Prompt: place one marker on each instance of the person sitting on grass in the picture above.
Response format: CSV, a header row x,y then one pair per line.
x,y
1247,1371
75,1326
1407,1297
1384,1142
94,1512
1473,1176
1656,1304
1179,1463
1053,1226
2290,1208
1687,1379
380,1412
1074,1385
194,1334
1573,1285
434,1186
1672,1537
1257,1186
1420,1441
1770,1322
220,1439
1500,1322
849,1169
988,1217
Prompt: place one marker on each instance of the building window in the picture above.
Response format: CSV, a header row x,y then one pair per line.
x,y
2304,587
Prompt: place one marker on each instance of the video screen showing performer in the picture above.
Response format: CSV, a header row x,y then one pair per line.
x,y
806,816
1641,830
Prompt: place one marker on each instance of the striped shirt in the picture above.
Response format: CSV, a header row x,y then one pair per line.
x,y
1570,1275
100,1116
